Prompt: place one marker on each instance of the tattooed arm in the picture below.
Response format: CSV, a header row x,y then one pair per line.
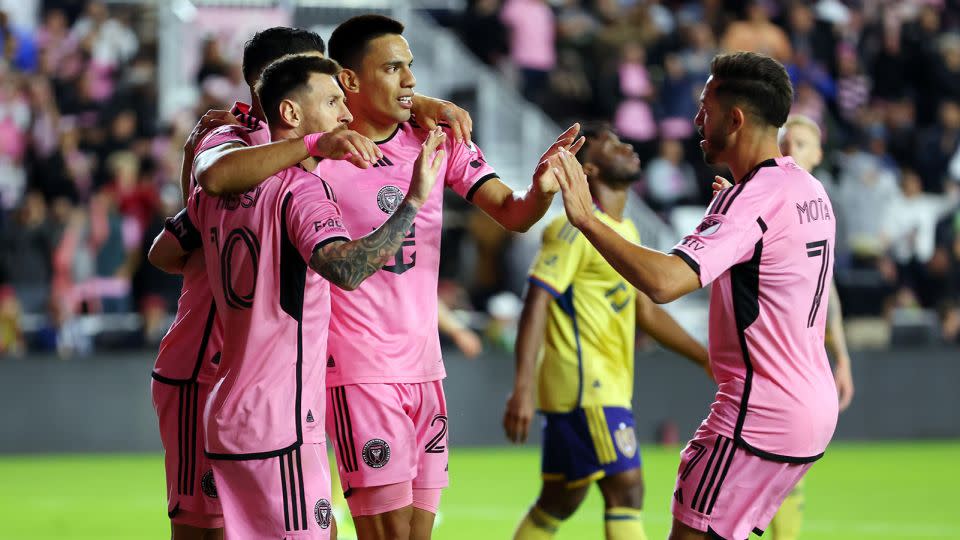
x,y
347,264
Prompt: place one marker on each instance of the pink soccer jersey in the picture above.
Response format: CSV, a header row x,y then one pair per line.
x,y
190,349
386,330
269,394
766,245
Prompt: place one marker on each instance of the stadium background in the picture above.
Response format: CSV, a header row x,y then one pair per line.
x,y
96,100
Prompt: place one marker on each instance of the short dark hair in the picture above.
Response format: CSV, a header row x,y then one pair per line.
x,y
274,43
589,131
348,43
753,81
286,76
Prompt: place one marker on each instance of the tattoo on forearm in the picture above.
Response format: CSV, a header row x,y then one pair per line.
x,y
348,264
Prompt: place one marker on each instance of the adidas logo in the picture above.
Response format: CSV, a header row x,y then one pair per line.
x,y
309,415
383,162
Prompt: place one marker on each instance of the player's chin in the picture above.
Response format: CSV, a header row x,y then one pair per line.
x,y
401,115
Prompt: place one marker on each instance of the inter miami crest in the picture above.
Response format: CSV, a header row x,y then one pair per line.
x,y
388,198
626,440
376,453
322,513
708,226
208,486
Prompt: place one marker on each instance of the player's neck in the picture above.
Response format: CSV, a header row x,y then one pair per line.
x,y
372,129
752,151
610,200
256,110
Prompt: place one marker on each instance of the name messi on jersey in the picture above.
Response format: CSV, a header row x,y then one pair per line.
x,y
813,210
242,200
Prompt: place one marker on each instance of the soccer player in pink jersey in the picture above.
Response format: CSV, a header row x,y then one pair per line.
x,y
388,416
766,246
265,415
185,365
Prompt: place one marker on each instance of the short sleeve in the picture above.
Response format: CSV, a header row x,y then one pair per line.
x,y
183,229
313,217
727,235
224,135
562,254
467,169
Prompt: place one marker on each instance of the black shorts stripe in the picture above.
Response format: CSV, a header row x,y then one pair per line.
x,y
701,450
351,447
283,490
303,496
726,445
703,477
293,494
723,475
338,427
180,452
193,449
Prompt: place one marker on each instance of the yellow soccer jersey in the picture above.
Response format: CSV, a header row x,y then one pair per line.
x,y
588,348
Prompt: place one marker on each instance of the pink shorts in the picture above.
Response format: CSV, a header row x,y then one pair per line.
x,y
191,491
389,433
728,492
286,496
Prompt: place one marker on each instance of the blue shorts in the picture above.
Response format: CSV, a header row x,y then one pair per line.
x,y
587,444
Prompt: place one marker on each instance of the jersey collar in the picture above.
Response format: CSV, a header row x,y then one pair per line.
x,y
245,116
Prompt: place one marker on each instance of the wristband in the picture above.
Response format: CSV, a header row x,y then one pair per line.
x,y
311,142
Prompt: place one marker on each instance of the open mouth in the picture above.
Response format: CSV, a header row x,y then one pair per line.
x,y
406,101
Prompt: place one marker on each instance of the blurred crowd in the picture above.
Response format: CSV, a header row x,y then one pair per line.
x,y
88,169
87,174
881,78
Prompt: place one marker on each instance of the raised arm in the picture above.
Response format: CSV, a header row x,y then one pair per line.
x,y
658,324
532,327
836,343
660,276
237,168
348,264
519,210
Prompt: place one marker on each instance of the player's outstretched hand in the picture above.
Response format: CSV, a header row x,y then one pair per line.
x,y
720,183
518,415
543,177
576,192
210,121
426,167
431,112
844,379
344,143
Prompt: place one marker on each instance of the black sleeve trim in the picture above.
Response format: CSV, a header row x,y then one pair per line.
x,y
762,224
776,457
477,184
169,381
758,531
330,240
694,265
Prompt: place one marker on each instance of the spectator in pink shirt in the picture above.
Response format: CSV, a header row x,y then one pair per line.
x,y
532,29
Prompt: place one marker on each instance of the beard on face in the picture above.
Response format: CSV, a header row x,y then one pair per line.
x,y
716,143
619,177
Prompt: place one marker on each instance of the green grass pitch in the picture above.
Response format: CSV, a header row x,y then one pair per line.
x,y
869,491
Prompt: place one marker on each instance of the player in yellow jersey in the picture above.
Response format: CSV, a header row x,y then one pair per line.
x,y
584,316
800,139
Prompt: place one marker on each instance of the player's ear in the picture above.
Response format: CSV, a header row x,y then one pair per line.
x,y
348,81
590,170
290,113
737,119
